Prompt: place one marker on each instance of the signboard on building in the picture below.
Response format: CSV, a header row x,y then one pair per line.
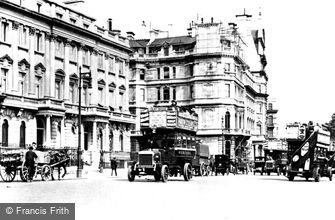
x,y
157,119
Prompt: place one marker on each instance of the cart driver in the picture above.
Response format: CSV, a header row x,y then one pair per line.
x,y
30,163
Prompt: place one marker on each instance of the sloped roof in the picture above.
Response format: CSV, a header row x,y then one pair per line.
x,y
182,40
138,43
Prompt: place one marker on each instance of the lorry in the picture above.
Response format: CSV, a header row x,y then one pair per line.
x,y
200,162
168,144
307,152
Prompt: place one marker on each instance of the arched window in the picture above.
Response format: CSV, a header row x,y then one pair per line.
x,y
5,133
23,134
227,120
121,141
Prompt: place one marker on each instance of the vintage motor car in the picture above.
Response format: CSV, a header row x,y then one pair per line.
x,y
259,165
221,164
200,162
309,159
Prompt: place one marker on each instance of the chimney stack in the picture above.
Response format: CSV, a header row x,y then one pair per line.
x,y
110,24
130,35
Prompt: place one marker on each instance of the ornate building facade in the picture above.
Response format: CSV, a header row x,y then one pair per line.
x,y
43,45
208,72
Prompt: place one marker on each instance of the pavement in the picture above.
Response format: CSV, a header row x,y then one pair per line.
x,y
94,173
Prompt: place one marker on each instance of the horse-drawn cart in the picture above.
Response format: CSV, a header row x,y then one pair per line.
x,y
12,161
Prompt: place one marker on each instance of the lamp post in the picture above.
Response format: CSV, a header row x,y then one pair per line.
x,y
79,161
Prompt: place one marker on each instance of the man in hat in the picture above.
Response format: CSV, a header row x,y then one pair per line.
x,y
113,166
30,163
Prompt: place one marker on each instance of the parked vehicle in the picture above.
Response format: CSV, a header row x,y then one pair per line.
x,y
12,161
221,164
259,165
200,162
309,160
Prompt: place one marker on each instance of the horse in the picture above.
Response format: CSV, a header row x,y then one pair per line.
x,y
58,160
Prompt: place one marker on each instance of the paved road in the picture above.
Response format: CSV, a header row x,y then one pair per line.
x,y
221,197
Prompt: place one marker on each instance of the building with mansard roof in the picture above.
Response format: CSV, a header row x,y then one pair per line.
x,y
42,46
206,71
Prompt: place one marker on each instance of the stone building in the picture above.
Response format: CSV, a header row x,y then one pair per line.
x,y
43,45
206,71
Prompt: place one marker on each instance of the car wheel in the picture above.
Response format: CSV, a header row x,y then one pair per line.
x,y
187,171
165,173
131,175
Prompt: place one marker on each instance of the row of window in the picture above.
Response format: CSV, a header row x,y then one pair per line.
x,y
40,46
59,88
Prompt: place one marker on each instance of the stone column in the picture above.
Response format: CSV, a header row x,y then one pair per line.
x,y
106,147
94,75
126,95
32,61
47,65
14,38
52,67
106,80
62,134
67,69
48,131
117,83
94,138
232,148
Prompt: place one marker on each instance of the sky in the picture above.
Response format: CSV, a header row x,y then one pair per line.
x,y
299,43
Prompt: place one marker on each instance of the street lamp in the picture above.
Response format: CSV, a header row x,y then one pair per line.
x,y
86,75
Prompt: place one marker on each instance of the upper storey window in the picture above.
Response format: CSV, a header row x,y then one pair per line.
x,y
4,32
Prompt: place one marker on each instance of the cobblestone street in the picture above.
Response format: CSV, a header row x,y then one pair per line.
x,y
214,197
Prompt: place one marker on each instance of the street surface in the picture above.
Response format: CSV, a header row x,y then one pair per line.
x,y
214,197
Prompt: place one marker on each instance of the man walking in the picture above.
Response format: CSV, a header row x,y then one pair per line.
x,y
113,166
30,163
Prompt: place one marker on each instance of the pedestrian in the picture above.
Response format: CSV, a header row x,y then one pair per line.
x,y
212,164
30,163
113,166
33,145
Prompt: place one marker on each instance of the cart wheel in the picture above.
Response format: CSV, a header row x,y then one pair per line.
x,y
46,172
24,172
8,172
131,175
165,173
187,171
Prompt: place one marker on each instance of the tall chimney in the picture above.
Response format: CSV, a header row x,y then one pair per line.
x,y
110,24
